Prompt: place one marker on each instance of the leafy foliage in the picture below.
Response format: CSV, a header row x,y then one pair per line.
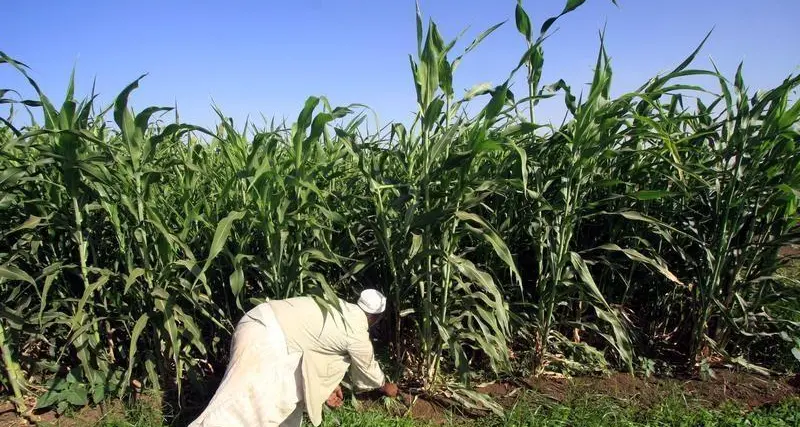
x,y
130,247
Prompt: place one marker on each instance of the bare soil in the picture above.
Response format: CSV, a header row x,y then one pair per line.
x,y
84,417
749,391
789,250
746,390
87,416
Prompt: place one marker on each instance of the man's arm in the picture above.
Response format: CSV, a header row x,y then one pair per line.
x,y
364,369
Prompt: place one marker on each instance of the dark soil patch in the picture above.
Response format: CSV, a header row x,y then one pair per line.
x,y
423,408
83,417
795,382
86,416
789,251
496,389
746,390
427,410
8,417
645,392
554,388
743,389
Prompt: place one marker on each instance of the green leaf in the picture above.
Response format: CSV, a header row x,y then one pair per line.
x,y
419,28
569,7
48,399
221,234
485,281
122,116
236,281
572,5
485,231
11,176
437,215
88,292
142,119
62,407
12,272
586,277
495,105
48,282
131,278
523,162
650,194
304,119
30,223
77,395
317,127
475,400
446,77
98,393
480,39
141,323
635,255
523,21
432,113
604,311
477,90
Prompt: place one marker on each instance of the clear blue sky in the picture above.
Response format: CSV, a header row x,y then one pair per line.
x,y
254,57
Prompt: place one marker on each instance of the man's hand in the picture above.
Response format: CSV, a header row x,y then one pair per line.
x,y
336,398
389,389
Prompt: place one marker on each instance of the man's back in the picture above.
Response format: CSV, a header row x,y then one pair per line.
x,y
307,328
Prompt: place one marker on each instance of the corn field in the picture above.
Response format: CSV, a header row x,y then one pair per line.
x,y
644,226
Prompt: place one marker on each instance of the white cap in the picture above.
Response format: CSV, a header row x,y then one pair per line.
x,y
372,301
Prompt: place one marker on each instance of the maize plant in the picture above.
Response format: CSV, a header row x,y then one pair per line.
x,y
131,243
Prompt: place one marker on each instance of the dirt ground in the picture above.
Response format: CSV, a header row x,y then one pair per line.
x,y
789,251
744,389
87,416
84,417
747,390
